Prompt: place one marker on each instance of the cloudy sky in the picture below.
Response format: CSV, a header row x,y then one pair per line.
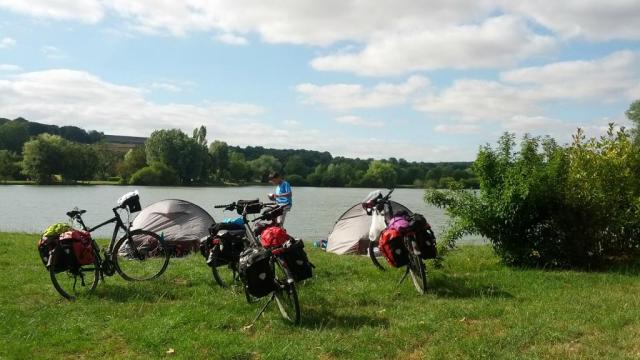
x,y
427,80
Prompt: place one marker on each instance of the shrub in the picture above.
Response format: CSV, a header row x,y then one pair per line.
x,y
156,174
548,205
296,180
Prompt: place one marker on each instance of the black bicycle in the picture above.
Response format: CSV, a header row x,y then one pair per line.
x,y
137,256
381,204
283,290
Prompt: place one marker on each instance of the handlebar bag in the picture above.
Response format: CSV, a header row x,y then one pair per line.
x,y
297,261
252,206
424,237
81,243
391,245
256,272
274,236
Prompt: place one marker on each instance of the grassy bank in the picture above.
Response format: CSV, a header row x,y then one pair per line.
x,y
476,308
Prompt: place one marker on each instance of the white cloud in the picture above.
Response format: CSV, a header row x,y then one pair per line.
x,y
9,67
342,97
527,90
609,78
88,11
79,98
591,19
296,21
232,39
476,100
358,121
7,42
497,42
53,52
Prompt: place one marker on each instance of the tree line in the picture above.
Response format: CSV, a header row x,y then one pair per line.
x,y
49,154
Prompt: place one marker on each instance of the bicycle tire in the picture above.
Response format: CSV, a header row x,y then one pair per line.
x,y
418,273
287,296
57,278
372,255
125,263
219,278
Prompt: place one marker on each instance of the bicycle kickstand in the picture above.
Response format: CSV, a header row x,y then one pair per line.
x,y
403,277
264,308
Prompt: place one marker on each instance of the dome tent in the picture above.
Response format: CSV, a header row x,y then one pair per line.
x,y
350,233
182,223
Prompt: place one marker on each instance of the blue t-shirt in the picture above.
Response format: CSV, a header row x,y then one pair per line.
x,y
284,188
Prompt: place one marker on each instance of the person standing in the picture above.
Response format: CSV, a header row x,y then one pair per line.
x,y
282,196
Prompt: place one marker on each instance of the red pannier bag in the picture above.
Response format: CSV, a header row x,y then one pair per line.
x,y
391,245
273,237
82,245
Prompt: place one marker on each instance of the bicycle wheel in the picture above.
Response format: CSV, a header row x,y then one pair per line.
x,y
372,255
286,295
225,275
72,283
418,273
141,255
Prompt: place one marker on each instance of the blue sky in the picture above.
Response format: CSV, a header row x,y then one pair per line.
x,y
421,80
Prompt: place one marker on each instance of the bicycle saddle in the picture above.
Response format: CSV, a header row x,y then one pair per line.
x,y
74,213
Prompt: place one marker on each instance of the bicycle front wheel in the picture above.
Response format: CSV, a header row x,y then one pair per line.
x,y
141,255
418,273
224,275
75,282
286,295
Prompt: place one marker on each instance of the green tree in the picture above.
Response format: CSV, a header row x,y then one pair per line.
x,y
295,166
9,165
43,157
200,135
380,174
262,166
219,153
134,160
633,113
176,150
80,162
13,135
238,167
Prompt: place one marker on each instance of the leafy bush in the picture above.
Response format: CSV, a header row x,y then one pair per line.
x,y
296,180
548,205
156,174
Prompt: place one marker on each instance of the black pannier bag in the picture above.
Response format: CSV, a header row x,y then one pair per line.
x,y
221,250
296,260
58,254
225,243
425,238
256,272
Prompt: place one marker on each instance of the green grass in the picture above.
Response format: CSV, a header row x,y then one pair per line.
x,y
476,308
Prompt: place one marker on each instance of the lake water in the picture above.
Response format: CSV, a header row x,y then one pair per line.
x,y
33,208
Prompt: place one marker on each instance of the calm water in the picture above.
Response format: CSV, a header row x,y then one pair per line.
x,y
33,208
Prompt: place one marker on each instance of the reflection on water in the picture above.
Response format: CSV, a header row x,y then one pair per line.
x,y
33,208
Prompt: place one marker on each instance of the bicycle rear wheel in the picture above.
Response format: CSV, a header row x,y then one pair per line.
x,y
141,255
76,282
286,295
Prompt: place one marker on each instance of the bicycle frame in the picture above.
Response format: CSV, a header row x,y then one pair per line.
x,y
118,226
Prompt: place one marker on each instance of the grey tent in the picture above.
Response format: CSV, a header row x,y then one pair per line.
x,y
350,234
182,223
